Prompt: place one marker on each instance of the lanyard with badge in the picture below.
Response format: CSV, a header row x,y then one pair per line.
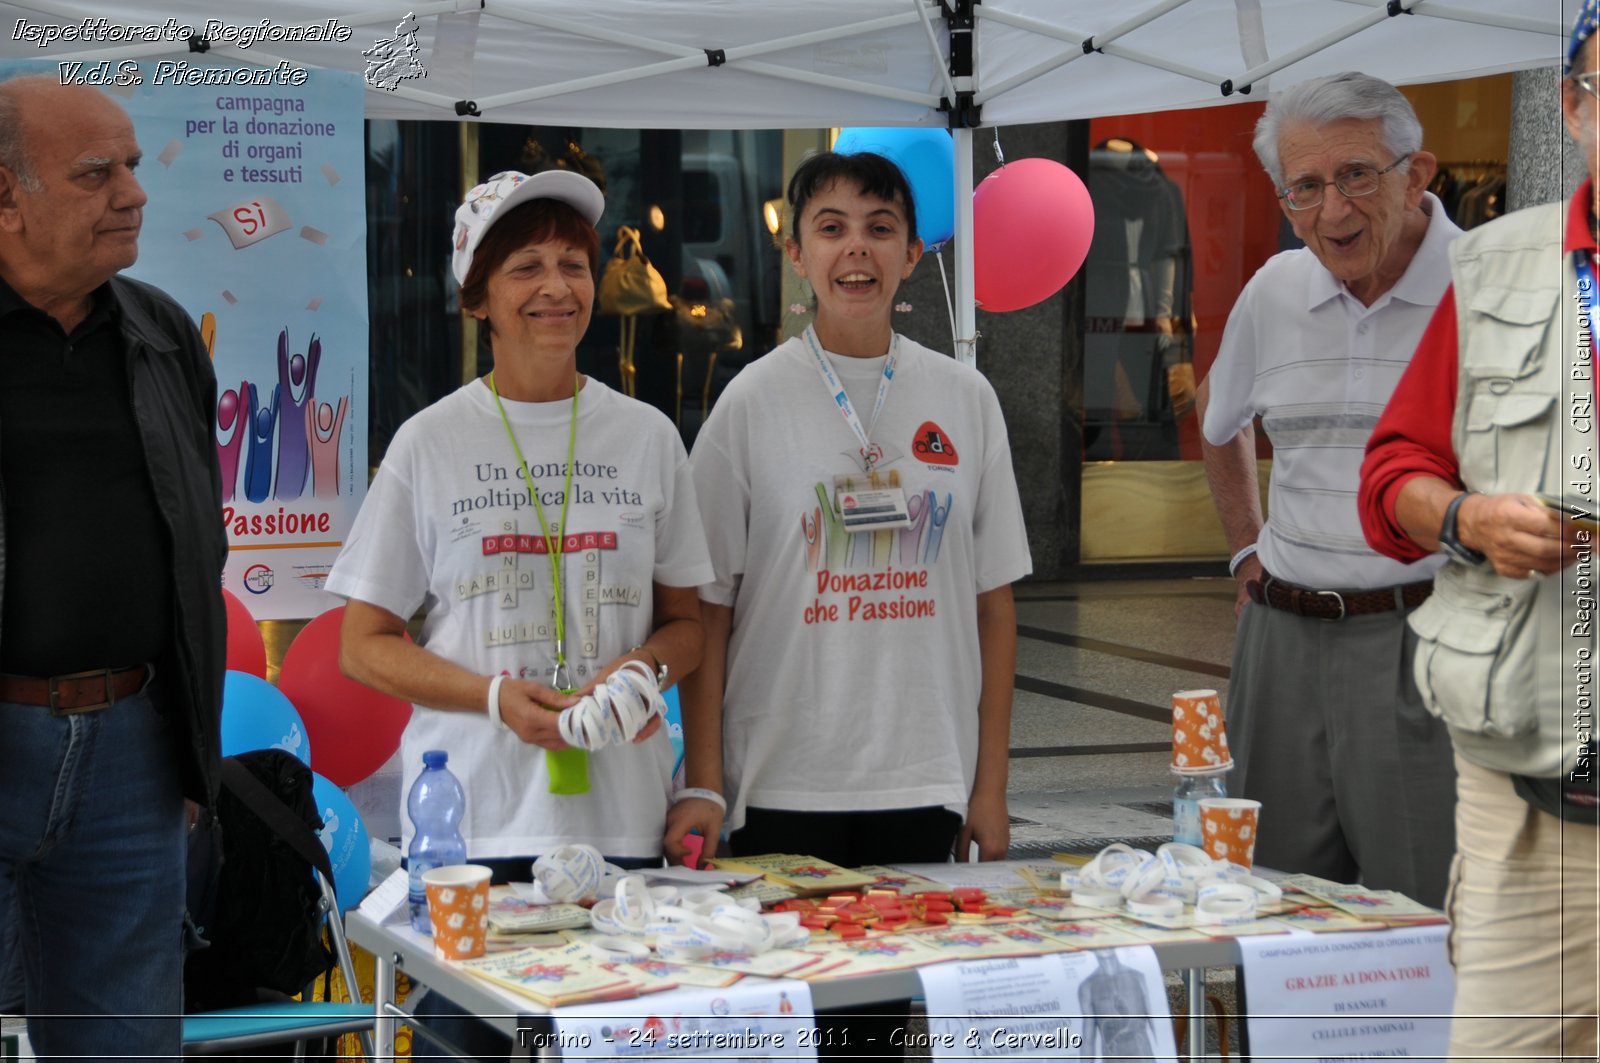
x,y
568,768
866,500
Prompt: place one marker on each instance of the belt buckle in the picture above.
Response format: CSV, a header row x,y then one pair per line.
x,y
1336,596
56,708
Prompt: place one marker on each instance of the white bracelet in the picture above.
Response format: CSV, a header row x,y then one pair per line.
x,y
702,793
1240,558
494,703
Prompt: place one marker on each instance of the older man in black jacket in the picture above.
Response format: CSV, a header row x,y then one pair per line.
x,y
112,633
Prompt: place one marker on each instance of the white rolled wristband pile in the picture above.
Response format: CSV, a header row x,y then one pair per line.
x,y
571,873
612,714
1159,884
616,711
688,925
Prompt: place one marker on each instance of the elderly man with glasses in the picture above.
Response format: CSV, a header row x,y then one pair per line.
x,y
1488,451
1327,728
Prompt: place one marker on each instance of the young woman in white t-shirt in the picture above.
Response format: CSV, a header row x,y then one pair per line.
x,y
857,685
855,693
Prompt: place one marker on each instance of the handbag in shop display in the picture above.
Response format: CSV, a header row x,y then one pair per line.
x,y
630,284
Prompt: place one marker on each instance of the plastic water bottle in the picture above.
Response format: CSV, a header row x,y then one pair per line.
x,y
437,804
1186,798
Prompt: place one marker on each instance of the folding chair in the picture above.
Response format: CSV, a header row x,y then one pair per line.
x,y
230,1029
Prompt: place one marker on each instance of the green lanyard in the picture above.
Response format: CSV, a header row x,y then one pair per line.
x,y
559,678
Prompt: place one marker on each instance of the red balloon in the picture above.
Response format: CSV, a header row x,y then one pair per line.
x,y
353,729
246,651
1032,222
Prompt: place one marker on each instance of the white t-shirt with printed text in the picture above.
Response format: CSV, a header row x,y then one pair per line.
x,y
447,523
853,666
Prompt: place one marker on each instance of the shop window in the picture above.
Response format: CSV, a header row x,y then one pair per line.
x,y
695,196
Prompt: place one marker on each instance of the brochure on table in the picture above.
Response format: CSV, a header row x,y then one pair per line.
x,y
1378,993
1111,1003
751,1020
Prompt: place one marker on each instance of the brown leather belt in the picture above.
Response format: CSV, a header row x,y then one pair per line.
x,y
64,695
1336,605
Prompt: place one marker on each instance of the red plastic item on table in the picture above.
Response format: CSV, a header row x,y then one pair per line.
x,y
696,844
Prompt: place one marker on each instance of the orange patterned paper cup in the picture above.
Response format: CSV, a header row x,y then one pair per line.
x,y
1228,828
1199,740
458,907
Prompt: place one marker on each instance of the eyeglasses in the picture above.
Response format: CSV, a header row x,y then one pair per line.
x,y
1353,183
1589,82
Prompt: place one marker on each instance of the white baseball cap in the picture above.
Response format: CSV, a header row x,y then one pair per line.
x,y
508,189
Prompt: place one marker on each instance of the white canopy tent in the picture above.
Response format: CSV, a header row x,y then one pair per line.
x,y
720,64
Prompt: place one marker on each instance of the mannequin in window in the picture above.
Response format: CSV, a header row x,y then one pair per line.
x,y
1138,377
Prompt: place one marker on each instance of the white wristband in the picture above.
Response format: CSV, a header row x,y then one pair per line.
x,y
702,793
494,703
1240,558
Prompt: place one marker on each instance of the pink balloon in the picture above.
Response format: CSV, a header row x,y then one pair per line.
x,y
246,651
1032,222
353,729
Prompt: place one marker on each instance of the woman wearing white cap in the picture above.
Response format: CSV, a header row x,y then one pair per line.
x,y
548,524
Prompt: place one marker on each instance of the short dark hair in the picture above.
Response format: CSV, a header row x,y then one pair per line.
x,y
532,222
875,175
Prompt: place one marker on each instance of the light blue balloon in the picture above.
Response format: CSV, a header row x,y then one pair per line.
x,y
257,715
928,159
345,837
674,724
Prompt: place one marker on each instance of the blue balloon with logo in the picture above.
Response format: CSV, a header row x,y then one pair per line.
x,y
344,835
257,715
928,159
673,721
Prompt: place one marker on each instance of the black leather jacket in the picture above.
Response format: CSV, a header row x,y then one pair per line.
x,y
174,402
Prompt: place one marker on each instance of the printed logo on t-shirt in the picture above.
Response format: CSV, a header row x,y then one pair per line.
x,y
933,446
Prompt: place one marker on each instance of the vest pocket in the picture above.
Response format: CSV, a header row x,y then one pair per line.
x,y
1474,668
1502,356
1508,431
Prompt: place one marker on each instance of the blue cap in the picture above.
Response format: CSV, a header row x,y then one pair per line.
x,y
435,758
1587,22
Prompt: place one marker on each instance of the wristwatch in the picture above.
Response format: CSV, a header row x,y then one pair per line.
x,y
1450,540
661,667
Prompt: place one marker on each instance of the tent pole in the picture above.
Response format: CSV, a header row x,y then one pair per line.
x,y
966,302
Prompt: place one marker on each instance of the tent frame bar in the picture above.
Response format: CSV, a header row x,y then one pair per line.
x,y
1438,9
686,57
1087,44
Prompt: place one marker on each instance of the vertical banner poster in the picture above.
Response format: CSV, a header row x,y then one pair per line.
x,y
256,224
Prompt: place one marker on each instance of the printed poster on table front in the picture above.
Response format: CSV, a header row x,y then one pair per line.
x,y
1092,1004
753,1019
1377,993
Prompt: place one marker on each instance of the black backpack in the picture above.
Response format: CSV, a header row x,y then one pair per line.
x,y
251,894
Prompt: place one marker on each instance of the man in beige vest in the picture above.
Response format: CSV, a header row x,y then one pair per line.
x,y
1489,435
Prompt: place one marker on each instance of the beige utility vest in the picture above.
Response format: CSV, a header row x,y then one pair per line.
x,y
1507,663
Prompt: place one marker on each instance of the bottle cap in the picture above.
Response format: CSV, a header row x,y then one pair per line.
x,y
435,758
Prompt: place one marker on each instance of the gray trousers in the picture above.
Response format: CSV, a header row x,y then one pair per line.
x,y
1356,780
